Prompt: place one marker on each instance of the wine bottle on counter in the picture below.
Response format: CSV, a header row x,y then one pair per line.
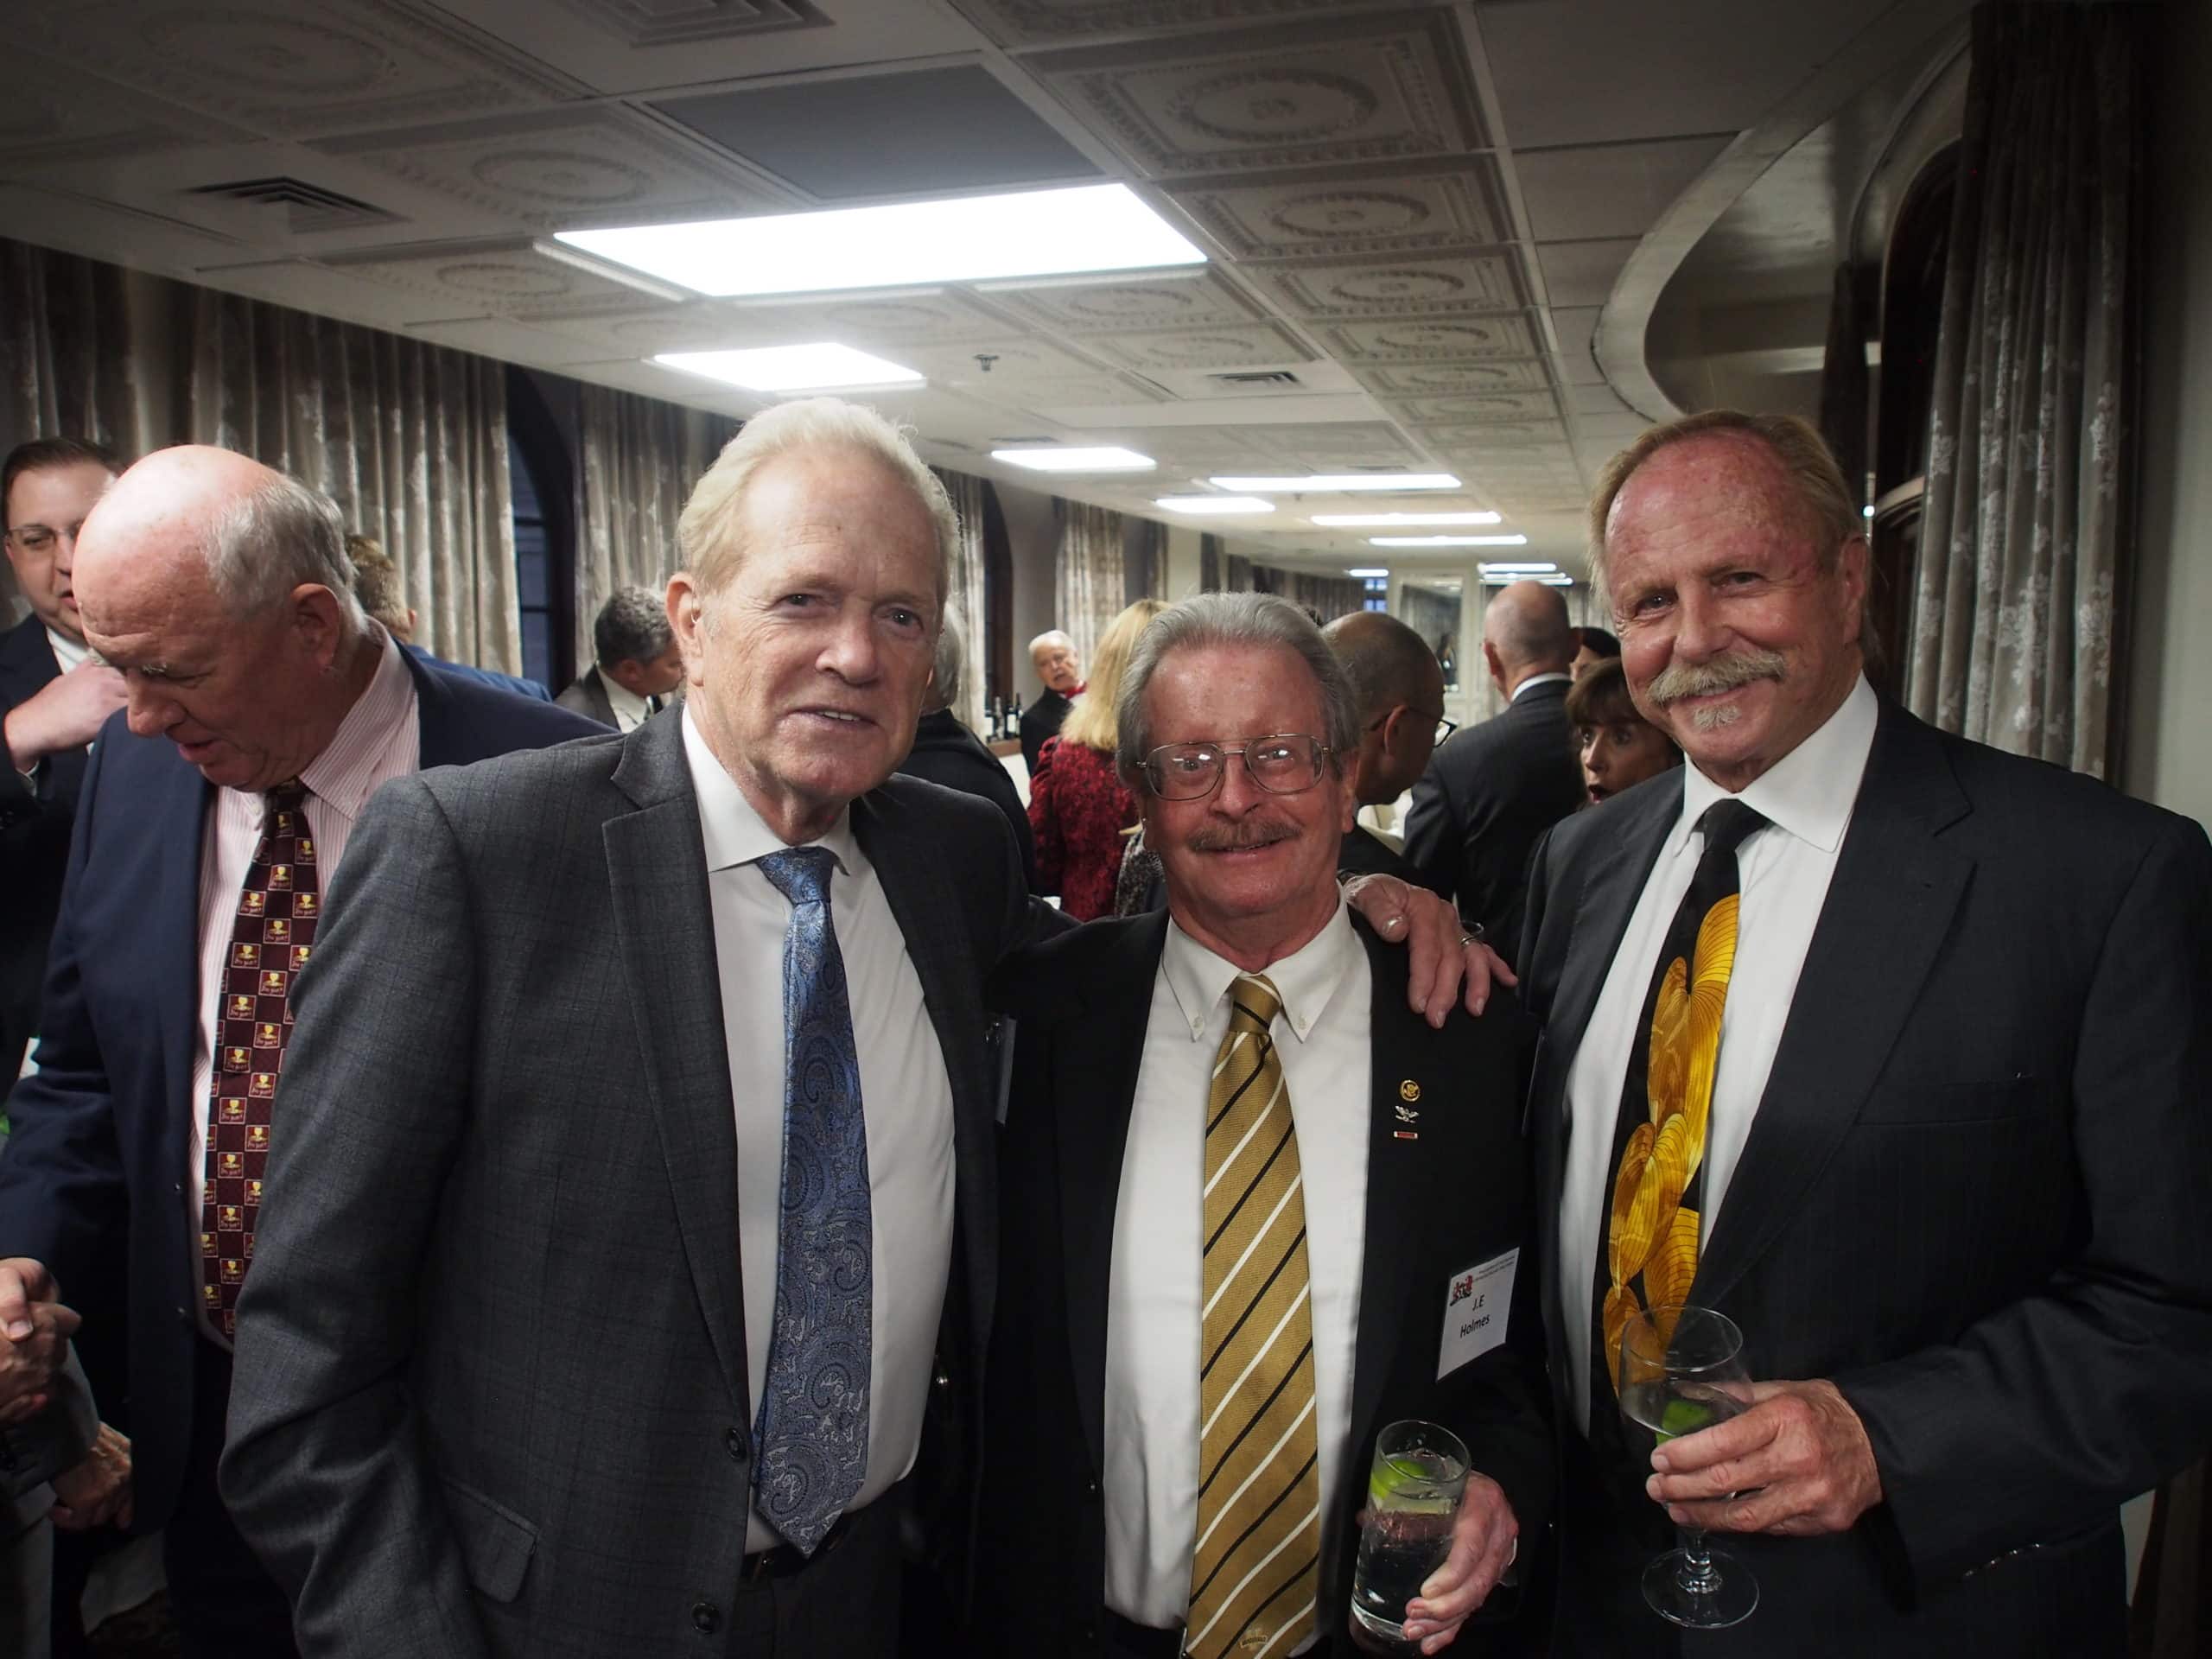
x,y
997,718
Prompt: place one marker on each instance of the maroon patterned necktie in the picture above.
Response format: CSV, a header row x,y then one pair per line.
x,y
270,937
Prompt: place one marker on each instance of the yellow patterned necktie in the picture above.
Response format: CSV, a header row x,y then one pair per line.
x,y
1650,1256
1254,1573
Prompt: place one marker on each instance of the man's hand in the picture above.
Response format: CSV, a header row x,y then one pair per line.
x,y
1484,1539
66,712
1800,1458
35,1332
97,1492
1444,955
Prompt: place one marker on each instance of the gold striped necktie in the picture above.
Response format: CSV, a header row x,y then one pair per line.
x,y
1253,1576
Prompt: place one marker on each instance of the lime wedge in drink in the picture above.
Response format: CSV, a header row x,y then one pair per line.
x,y
1396,1484
1685,1417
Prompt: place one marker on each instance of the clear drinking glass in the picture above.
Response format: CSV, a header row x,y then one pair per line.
x,y
1682,1370
1413,1489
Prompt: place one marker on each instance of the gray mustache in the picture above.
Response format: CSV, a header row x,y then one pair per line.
x,y
1682,680
1246,833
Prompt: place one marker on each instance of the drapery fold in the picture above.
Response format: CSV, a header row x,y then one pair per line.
x,y
963,602
1089,574
2022,551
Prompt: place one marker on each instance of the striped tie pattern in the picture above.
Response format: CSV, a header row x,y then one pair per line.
x,y
1259,1539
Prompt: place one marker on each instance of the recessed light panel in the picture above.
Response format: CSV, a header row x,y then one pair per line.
x,y
1070,460
1367,570
1447,541
1338,483
1380,520
1214,504
820,367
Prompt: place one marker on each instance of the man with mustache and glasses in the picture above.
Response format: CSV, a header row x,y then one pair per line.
x,y
1241,1182
1891,1048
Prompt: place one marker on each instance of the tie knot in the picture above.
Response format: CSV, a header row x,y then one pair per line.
x,y
1727,824
801,874
286,796
1253,1002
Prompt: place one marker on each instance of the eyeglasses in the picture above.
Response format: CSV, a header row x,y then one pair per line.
x,y
40,538
1444,728
1286,763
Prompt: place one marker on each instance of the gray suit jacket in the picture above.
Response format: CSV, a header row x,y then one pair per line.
x,y
587,695
491,1394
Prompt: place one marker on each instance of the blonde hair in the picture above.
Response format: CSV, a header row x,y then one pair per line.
x,y
1091,722
707,539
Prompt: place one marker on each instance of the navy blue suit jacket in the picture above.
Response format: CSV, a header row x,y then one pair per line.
x,y
100,1131
490,676
33,845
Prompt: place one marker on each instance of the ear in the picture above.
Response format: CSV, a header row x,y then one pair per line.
x,y
315,619
686,608
1347,801
1852,559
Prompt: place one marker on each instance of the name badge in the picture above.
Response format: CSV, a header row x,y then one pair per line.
x,y
1476,1302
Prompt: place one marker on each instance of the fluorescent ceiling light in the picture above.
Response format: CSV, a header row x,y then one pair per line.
x,y
1030,233
1338,483
1447,541
1214,504
1367,570
1538,568
1556,580
1365,520
1058,460
820,367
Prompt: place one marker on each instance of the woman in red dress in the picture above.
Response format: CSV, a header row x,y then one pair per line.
x,y
1077,807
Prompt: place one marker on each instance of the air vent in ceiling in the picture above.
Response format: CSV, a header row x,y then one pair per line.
x,y
1256,380
307,207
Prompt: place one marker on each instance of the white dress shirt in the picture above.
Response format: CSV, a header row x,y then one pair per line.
x,y
67,653
1784,871
378,739
905,1102
1154,1301
1538,679
630,710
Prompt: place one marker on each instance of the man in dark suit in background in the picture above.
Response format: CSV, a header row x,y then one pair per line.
x,y
946,752
376,581
1052,653
639,663
1398,688
53,699
1491,793
1948,1151
263,707
1224,1123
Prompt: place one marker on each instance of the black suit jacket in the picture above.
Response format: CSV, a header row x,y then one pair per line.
x,y
1973,1198
33,846
945,752
1485,801
95,1160
587,695
1365,853
1453,1197
1040,720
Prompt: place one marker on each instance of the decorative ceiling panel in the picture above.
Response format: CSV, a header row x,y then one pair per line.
x,y
1065,23
1388,87
997,359
645,329
923,315
1198,300
1416,379
511,278
1509,406
1262,346
1431,340
53,113
286,70
566,169
1069,391
638,23
1500,433
1341,213
1438,285
1337,444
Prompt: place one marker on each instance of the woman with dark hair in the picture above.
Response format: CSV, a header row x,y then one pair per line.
x,y
1620,748
1592,646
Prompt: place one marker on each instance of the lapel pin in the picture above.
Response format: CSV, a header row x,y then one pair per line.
x,y
1409,1092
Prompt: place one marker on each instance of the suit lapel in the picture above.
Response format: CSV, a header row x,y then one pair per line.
x,y
657,875
179,806
1887,915
1095,1056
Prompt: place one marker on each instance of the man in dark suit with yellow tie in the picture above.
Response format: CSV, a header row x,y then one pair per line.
x,y
1240,1184
1891,1048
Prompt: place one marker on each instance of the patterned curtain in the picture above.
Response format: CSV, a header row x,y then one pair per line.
x,y
637,459
1146,550
964,596
1332,596
2021,556
1208,564
1239,577
1432,615
1089,575
410,439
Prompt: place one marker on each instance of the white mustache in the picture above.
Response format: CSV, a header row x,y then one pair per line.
x,y
1738,668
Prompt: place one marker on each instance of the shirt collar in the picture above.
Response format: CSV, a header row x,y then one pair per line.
x,y
622,700
1306,980
1808,792
1519,691
67,653
353,763
734,832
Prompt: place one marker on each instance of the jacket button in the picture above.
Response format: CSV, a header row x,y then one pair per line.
x,y
706,1617
739,1447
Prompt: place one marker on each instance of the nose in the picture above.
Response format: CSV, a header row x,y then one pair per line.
x,y
850,653
147,711
1238,794
1699,632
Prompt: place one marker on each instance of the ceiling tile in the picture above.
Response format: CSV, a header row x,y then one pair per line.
x,y
923,315
1064,391
1578,369
1012,356
643,23
1260,346
286,70
1582,273
1511,406
1431,339
1609,190
1349,213
645,329
57,114
1414,379
1066,23
1435,285
1370,88
1493,434
1576,325
511,278
1594,400
1169,300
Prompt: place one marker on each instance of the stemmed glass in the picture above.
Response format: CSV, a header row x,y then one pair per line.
x,y
1682,1370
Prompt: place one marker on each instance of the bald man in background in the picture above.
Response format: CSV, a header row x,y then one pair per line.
x,y
1060,671
1398,686
263,708
1489,795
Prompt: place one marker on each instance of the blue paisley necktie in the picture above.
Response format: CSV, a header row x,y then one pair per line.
x,y
812,1433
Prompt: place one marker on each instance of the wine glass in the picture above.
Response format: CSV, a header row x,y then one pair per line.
x,y
1682,1370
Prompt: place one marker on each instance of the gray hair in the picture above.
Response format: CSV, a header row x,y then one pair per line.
x,y
949,667
286,533
1219,622
632,627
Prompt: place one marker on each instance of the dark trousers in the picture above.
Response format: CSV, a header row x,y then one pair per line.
x,y
226,1604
